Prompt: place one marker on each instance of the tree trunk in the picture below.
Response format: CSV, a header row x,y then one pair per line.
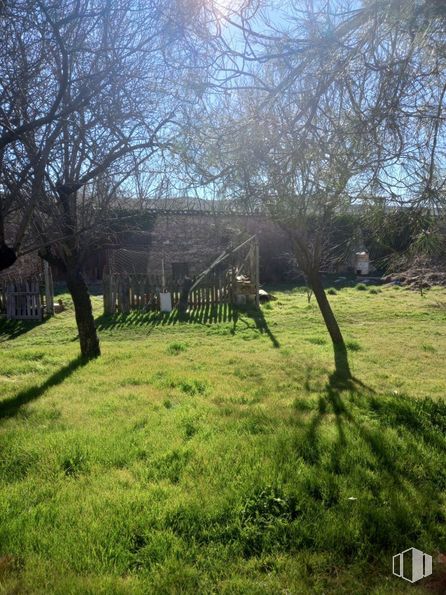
x,y
342,367
88,337
184,295
7,256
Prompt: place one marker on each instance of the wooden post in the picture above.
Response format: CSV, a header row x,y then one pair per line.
x,y
257,271
109,306
107,284
9,299
49,289
125,295
114,292
37,310
184,295
163,276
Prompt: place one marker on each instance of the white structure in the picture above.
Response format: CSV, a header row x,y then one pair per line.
x,y
362,263
166,301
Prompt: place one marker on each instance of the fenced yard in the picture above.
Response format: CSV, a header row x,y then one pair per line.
x,y
232,277
214,454
141,292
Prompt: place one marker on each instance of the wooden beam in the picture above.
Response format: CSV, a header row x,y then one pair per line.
x,y
223,256
49,291
257,270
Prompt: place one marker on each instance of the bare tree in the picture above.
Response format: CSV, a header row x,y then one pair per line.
x,y
299,178
383,61
37,43
137,57
327,105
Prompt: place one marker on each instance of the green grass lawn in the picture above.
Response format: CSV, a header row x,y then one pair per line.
x,y
215,456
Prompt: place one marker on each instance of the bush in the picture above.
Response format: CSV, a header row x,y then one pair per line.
x,y
361,286
332,291
374,290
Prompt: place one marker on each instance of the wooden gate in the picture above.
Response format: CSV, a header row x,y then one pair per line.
x,y
23,300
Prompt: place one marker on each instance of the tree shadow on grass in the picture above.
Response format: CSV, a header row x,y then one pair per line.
x,y
11,329
389,449
207,314
245,315
353,404
11,406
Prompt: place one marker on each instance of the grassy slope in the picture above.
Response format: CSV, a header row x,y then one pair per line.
x,y
212,456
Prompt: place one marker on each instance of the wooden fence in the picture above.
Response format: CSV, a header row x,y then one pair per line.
x,y
27,298
141,292
23,300
235,282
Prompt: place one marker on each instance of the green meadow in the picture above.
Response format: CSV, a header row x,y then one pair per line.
x,y
217,454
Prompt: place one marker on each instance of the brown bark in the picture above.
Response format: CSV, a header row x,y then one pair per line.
x,y
7,256
342,367
88,337
184,295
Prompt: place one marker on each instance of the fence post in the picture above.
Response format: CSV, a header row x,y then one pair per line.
x,y
109,306
125,295
256,271
49,289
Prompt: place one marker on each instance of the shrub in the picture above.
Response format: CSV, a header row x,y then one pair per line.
x,y
361,286
374,290
332,291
